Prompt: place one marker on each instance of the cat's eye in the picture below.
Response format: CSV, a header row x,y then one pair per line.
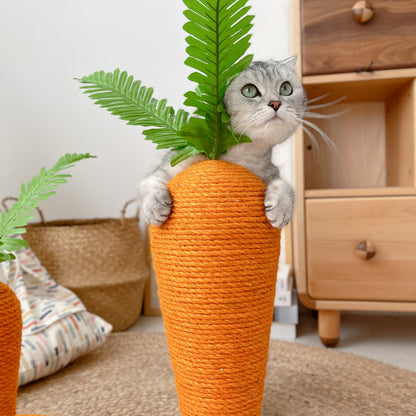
x,y
286,88
250,91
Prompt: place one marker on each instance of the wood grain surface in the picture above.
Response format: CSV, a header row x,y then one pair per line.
x,y
333,42
334,229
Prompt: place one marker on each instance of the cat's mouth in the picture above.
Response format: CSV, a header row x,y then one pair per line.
x,y
275,117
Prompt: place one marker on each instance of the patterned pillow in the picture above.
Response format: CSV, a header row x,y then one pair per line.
x,y
57,328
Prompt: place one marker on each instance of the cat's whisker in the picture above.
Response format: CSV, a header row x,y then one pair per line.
x,y
313,100
316,128
314,142
323,105
245,125
312,114
324,136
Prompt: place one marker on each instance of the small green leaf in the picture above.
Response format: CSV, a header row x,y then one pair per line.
x,y
244,139
204,34
183,154
198,7
198,44
11,244
200,19
6,256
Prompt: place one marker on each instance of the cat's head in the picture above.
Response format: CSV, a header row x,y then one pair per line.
x,y
266,101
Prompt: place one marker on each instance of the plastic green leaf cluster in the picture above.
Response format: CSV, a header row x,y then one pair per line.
x,y
217,42
40,188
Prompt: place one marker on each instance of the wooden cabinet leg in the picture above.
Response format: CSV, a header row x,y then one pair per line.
x,y
329,327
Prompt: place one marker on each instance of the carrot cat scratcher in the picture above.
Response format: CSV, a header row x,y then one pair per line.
x,y
11,223
216,257
216,261
10,341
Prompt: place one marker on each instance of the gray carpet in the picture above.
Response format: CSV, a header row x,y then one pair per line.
x,y
131,375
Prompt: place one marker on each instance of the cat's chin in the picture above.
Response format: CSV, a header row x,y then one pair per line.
x,y
275,118
276,121
273,131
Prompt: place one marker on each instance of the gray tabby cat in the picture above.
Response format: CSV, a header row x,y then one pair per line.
x,y
266,102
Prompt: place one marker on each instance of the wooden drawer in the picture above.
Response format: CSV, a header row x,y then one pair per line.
x,y
332,41
334,228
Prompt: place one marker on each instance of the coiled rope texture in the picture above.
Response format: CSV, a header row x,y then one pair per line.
x,y
216,262
10,344
10,340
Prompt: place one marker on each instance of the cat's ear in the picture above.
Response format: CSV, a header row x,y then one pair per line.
x,y
290,62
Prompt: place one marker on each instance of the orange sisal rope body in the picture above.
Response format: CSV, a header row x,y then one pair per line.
x,y
216,261
10,344
10,340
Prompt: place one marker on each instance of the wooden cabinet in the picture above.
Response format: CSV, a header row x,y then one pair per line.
x,y
361,247
334,41
354,229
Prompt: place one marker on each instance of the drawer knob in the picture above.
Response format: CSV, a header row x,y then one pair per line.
x,y
365,249
362,11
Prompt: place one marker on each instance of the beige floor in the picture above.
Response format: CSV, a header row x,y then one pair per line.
x,y
387,338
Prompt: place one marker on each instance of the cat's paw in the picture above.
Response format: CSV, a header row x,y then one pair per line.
x,y
279,203
156,206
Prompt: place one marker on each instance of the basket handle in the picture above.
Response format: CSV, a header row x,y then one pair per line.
x,y
12,198
123,211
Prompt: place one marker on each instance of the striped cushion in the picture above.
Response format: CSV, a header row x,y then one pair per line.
x,y
57,328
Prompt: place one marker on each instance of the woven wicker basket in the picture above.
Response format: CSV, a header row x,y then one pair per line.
x,y
101,260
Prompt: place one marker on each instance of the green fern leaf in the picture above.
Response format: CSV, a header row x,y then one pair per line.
x,y
122,96
40,187
217,43
218,40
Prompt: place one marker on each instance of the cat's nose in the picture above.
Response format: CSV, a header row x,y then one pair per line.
x,y
275,105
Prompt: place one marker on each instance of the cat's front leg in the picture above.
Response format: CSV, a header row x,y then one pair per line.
x,y
279,202
156,203
154,195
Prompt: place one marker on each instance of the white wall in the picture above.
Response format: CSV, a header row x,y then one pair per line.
x,y
44,44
